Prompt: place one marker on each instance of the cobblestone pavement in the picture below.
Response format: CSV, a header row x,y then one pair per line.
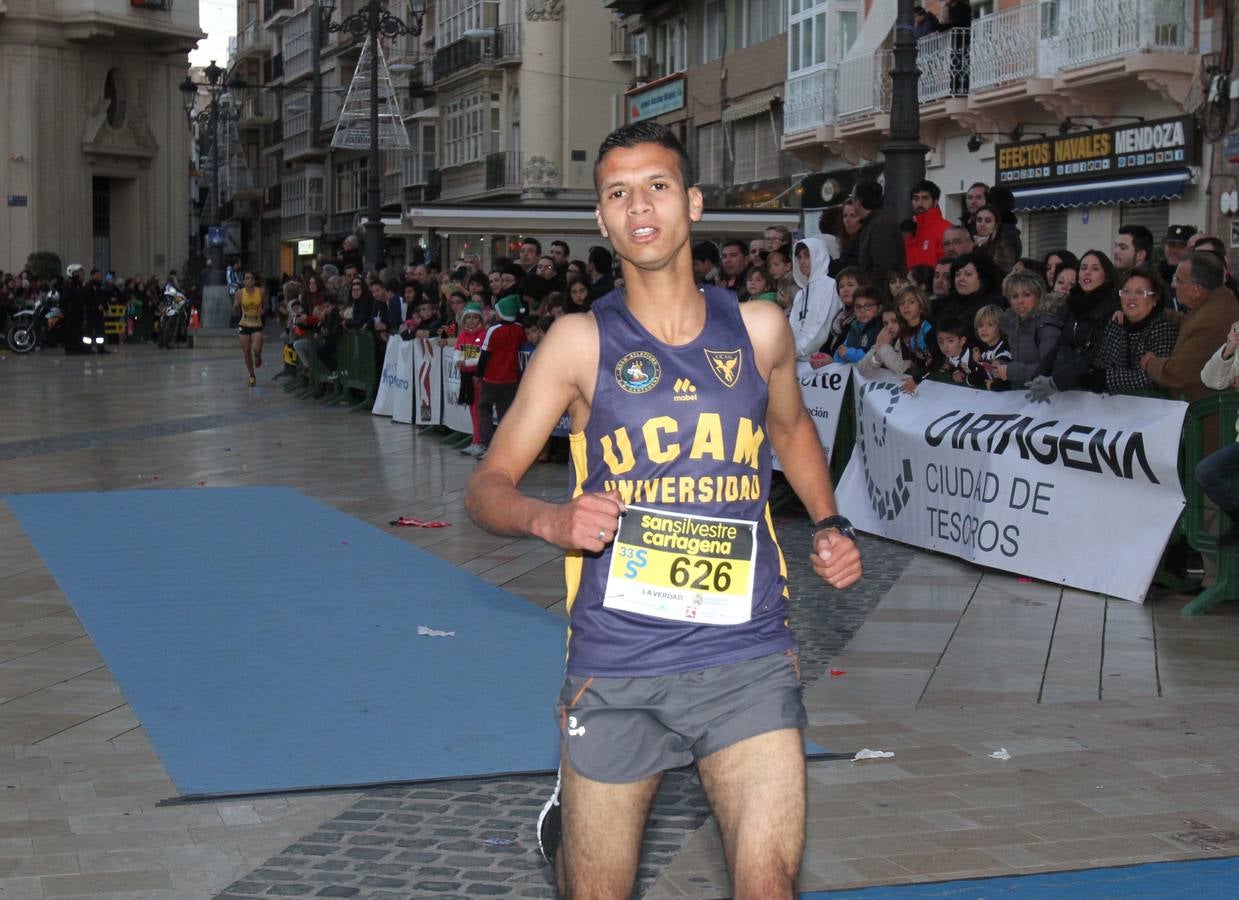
x,y
476,838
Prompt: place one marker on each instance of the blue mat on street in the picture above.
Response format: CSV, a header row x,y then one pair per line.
x,y
268,642
1190,879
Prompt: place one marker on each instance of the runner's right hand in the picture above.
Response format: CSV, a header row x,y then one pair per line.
x,y
576,525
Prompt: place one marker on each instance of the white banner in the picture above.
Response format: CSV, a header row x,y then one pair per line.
x,y
429,379
455,416
402,387
1082,491
385,400
823,391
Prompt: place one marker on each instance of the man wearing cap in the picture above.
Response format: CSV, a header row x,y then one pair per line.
x,y
1175,249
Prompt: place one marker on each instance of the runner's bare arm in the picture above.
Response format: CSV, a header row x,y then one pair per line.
x,y
560,376
794,438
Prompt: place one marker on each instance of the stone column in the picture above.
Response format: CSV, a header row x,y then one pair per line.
x,y
542,106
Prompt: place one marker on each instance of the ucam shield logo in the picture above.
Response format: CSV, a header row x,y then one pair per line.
x,y
886,480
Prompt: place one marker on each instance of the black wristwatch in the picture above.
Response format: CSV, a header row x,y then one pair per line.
x,y
839,524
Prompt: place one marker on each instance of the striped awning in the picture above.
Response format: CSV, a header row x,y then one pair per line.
x,y
1146,189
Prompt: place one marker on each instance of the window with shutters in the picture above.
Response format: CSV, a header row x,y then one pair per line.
x,y
1153,216
755,149
710,154
1047,232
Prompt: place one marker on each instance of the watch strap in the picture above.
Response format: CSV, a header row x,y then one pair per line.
x,y
839,523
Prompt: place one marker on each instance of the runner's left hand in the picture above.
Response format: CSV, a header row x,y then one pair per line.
x,y
836,559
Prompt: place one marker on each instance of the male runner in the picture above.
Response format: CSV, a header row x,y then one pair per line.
x,y
678,646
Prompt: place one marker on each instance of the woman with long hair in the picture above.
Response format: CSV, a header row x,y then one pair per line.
x,y
1075,362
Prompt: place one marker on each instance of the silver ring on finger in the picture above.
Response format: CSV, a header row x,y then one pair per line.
x,y
602,534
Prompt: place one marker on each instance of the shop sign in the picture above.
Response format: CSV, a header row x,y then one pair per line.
x,y
305,248
19,200
655,100
1120,151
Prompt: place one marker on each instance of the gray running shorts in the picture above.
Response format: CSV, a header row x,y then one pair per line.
x,y
620,730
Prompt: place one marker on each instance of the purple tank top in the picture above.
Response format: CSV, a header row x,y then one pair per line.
x,y
695,577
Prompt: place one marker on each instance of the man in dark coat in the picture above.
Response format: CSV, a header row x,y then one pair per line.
x,y
880,240
72,305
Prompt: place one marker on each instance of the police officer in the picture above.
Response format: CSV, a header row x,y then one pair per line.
x,y
72,304
96,301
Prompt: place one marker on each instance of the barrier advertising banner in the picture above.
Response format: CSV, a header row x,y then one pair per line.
x,y
823,391
1082,491
402,386
385,399
455,416
428,374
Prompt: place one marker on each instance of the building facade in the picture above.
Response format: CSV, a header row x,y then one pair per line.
x,y
1054,99
94,141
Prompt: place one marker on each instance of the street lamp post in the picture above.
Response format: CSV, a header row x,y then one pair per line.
x,y
216,306
904,153
373,22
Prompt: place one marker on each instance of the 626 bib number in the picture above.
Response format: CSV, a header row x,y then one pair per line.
x,y
711,575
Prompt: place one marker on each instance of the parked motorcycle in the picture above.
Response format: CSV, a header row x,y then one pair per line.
x,y
173,317
38,324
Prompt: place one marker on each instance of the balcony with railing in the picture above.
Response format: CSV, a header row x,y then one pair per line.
x,y
257,108
943,61
272,8
1092,31
809,101
253,39
864,87
507,47
503,170
621,43
462,55
1006,47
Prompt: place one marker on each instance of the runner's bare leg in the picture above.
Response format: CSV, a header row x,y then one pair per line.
x,y
757,790
603,826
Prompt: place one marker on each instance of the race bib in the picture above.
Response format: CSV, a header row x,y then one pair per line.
x,y
685,568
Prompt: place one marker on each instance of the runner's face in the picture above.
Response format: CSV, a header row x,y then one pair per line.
x,y
644,207
249,280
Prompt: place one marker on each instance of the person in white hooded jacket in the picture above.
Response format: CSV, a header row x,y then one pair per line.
x,y
817,302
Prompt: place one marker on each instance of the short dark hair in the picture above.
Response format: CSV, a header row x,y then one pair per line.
x,y
925,186
856,273
1206,269
737,242
981,184
867,291
601,259
537,244
705,251
1212,245
648,132
514,270
953,326
394,286
1149,274
564,244
868,193
1141,239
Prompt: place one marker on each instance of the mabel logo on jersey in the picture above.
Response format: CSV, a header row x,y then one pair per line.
x,y
685,391
638,372
725,364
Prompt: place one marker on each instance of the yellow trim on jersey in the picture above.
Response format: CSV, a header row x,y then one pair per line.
x,y
573,562
782,561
